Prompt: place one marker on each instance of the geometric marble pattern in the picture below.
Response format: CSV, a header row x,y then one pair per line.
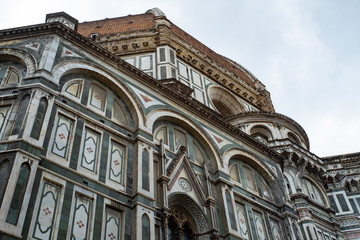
x,y
62,136
259,225
145,99
90,149
116,162
81,220
244,232
112,224
44,225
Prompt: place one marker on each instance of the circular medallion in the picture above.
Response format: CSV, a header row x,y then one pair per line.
x,y
184,184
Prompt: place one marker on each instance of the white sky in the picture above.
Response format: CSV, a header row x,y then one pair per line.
x,y
305,51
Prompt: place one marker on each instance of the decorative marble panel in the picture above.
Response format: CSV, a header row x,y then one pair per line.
x,y
112,224
243,223
90,150
250,180
116,162
81,220
97,97
275,229
184,184
62,136
46,214
260,227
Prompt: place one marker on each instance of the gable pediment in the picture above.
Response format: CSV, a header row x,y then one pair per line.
x,y
183,178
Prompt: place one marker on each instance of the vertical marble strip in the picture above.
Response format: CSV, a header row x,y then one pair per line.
x,y
3,114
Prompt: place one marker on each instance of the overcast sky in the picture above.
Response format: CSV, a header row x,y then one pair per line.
x,y
306,52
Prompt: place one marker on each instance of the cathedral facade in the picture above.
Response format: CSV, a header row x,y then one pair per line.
x,y
130,128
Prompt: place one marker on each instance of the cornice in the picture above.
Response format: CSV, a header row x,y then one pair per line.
x,y
272,117
188,103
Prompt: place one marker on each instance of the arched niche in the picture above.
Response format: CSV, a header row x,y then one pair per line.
x,y
87,73
314,191
293,138
21,57
224,102
252,167
200,143
185,210
261,132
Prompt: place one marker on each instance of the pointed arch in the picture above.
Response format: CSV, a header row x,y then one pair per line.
x,y
193,213
190,126
254,161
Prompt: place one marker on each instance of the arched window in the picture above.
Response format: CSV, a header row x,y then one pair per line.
x,y
293,138
4,177
313,192
145,170
198,154
288,186
118,114
19,192
250,179
261,133
20,115
97,97
12,76
230,210
74,88
145,227
234,172
162,134
39,119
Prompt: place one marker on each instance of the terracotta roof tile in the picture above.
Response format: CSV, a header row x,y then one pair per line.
x,y
117,25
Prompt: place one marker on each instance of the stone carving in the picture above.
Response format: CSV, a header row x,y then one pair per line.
x,y
192,208
184,184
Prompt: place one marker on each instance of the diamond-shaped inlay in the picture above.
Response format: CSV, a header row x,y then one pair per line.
x,y
46,211
62,136
111,236
97,97
116,162
80,224
89,150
